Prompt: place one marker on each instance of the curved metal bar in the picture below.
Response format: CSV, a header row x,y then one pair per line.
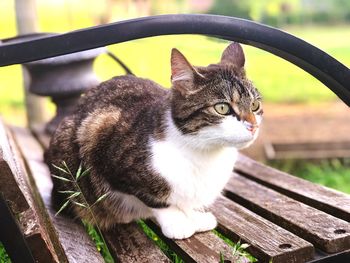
x,y
325,68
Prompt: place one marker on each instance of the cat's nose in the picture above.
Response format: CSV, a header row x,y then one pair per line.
x,y
251,127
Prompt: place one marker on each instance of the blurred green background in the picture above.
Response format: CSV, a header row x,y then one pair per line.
x,y
323,23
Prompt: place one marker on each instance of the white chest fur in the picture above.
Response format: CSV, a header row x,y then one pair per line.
x,y
196,176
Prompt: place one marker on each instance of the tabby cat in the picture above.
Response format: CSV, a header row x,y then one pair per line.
x,y
160,153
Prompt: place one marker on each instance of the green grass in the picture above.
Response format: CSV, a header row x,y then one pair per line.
x,y
238,249
100,244
4,258
332,173
160,243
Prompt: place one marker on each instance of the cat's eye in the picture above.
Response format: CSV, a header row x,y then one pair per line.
x,y
222,108
255,105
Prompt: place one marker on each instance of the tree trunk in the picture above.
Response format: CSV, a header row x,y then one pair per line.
x,y
27,22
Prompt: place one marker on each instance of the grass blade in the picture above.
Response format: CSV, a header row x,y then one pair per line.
x,y
84,173
100,199
60,169
80,204
62,207
74,195
244,246
61,178
66,166
66,192
79,171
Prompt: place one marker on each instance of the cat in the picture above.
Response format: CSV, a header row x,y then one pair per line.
x,y
159,153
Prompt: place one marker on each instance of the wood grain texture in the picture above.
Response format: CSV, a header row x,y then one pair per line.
x,y
30,219
307,150
267,240
323,230
42,137
202,247
36,237
320,197
128,243
71,242
12,185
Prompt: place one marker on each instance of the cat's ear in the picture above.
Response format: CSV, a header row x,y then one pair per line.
x,y
181,69
234,55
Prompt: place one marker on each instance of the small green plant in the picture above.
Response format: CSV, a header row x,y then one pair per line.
x,y
101,246
239,253
4,258
76,197
160,243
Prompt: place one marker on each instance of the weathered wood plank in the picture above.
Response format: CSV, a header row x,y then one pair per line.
x,y
12,236
202,247
29,219
37,237
307,150
42,137
128,243
313,146
320,197
323,230
268,241
10,176
71,242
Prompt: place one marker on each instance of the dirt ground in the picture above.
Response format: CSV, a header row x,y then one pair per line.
x,y
288,123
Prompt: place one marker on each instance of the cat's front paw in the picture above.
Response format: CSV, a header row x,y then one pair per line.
x,y
203,221
174,223
178,230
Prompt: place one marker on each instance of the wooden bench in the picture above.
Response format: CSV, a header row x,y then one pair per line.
x,y
283,218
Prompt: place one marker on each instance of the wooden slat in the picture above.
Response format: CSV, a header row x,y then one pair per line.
x,y
312,146
320,197
268,241
16,180
128,243
202,247
37,238
71,242
323,230
10,176
307,150
42,137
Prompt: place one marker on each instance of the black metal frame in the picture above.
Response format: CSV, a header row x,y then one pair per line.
x,y
341,257
325,68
